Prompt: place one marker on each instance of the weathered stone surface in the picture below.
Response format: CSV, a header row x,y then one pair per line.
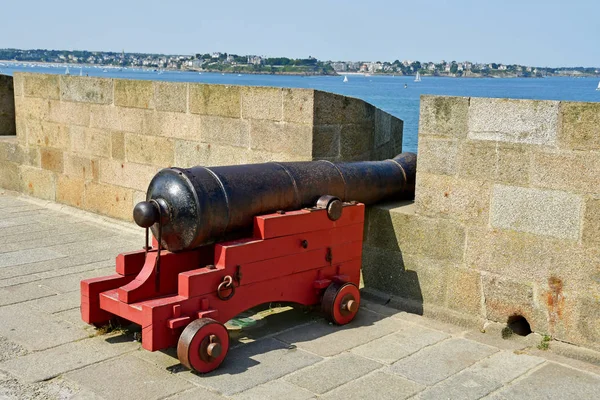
x,y
82,167
49,134
120,378
356,140
438,362
437,156
41,85
55,361
378,385
541,212
51,159
453,198
523,256
86,89
70,190
69,113
114,201
382,128
227,155
505,298
326,340
326,142
483,377
27,108
117,146
38,182
275,390
225,131
130,175
467,299
281,137
338,370
170,96
18,78
90,141
35,330
262,103
515,121
190,153
10,175
395,226
134,93
254,364
552,381
118,118
494,162
152,150
335,109
580,125
588,321
444,116
418,279
570,171
173,125
298,106
18,258
408,340
217,100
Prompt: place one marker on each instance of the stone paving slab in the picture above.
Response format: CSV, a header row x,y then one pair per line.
x,y
408,340
27,291
47,351
128,378
483,377
36,330
333,372
378,385
552,381
442,360
252,364
21,257
58,303
275,390
325,339
43,365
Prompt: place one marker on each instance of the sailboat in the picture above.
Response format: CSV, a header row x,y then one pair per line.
x,y
80,71
345,78
598,88
418,77
67,71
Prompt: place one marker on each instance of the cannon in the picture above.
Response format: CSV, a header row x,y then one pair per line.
x,y
226,239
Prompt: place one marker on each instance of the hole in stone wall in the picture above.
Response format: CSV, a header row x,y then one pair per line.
x,y
519,325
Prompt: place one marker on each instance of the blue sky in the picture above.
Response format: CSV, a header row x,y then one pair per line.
x,y
531,32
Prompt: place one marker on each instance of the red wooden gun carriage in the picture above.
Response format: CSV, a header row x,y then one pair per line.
x,y
227,239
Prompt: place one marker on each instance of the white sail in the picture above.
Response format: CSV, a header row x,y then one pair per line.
x,y
345,78
80,71
418,77
67,71
598,88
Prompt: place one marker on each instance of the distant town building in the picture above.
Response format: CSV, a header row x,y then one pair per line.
x,y
339,66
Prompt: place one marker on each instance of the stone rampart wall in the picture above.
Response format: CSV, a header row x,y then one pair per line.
x,y
7,106
506,220
95,143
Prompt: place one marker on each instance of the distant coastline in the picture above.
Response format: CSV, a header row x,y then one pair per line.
x,y
260,65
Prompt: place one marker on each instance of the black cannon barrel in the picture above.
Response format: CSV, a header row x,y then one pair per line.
x,y
201,205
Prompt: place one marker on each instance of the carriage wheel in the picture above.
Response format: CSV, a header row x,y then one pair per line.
x,y
340,302
203,345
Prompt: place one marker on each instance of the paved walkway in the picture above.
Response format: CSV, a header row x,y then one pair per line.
x,y
47,352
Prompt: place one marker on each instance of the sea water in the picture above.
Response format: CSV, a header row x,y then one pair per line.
x,y
386,92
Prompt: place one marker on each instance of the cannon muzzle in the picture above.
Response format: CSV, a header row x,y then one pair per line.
x,y
200,205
